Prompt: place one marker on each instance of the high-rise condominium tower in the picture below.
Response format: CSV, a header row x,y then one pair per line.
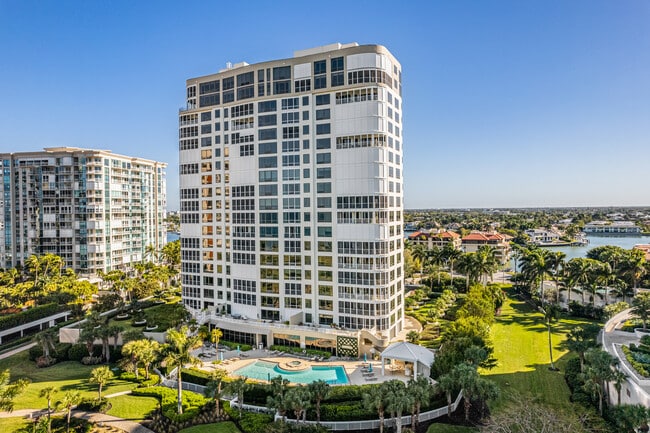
x,y
291,198
97,210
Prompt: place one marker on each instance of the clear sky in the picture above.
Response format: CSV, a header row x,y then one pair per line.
x,y
506,103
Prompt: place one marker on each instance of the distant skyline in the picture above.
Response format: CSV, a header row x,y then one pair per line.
x,y
506,103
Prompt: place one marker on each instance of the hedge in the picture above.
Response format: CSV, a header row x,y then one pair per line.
x,y
192,402
233,346
299,351
638,366
249,422
30,315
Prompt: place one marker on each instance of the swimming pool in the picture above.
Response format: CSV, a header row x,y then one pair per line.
x,y
263,370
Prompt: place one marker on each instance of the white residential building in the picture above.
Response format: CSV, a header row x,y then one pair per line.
x,y
291,198
97,210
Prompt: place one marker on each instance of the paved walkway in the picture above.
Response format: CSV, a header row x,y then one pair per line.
x,y
17,350
122,424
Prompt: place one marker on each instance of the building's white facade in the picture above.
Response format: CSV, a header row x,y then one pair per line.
x,y
291,192
95,209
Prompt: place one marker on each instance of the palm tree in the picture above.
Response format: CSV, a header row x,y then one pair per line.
x,y
551,313
213,387
535,267
597,373
178,353
239,387
641,307
70,399
131,351
420,391
555,262
149,353
435,257
215,336
101,376
48,394
486,262
397,401
447,384
413,337
581,339
46,340
10,390
419,253
33,265
374,399
634,266
451,255
299,400
319,391
578,274
466,266
618,378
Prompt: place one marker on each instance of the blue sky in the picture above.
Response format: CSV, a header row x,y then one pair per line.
x,y
506,103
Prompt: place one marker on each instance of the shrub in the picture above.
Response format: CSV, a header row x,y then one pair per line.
x,y
30,315
571,374
94,405
195,376
62,351
77,352
249,422
232,345
91,360
192,402
35,352
42,361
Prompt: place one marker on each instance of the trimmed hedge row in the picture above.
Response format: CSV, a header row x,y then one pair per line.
x,y
640,367
249,422
299,351
30,315
233,346
192,402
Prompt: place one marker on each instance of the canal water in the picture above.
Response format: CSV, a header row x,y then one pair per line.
x,y
625,242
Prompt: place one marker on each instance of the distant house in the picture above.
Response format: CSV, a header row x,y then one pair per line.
x,y
607,228
646,249
433,239
500,242
542,236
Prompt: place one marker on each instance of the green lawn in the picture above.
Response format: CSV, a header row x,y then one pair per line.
x,y
220,427
449,428
65,376
521,348
13,424
131,407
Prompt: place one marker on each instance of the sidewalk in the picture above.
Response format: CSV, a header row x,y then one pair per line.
x,y
17,350
122,424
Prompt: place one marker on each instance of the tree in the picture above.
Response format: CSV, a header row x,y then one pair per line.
x,y
70,399
597,373
618,379
555,260
420,392
48,394
278,399
149,353
319,391
397,401
239,387
465,377
413,337
466,266
447,384
213,387
374,399
131,352
634,266
10,390
451,255
299,401
101,376
582,338
178,352
641,307
535,267
46,340
485,262
551,313
629,418
215,336
419,253
578,273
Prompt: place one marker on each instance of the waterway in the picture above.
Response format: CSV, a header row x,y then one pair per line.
x,y
625,242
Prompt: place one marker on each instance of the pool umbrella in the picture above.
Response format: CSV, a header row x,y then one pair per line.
x,y
364,358
370,367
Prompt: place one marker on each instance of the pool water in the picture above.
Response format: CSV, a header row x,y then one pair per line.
x,y
263,370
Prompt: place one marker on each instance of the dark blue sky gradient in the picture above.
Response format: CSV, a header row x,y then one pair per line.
x,y
506,103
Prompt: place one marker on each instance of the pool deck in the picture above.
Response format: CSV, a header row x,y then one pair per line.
x,y
356,370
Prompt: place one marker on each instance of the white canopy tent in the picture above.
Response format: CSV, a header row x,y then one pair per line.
x,y
421,357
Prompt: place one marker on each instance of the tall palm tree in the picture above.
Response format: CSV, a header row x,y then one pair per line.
x,y
420,391
467,266
374,398
319,390
551,313
447,384
149,354
70,400
579,271
556,262
419,253
215,336
618,378
101,376
239,387
33,265
131,351
397,401
634,266
213,387
451,255
46,340
178,353
435,258
48,394
597,373
641,307
299,401
535,268
582,338
486,262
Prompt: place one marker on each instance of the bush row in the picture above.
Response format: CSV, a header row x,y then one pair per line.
x,y
30,315
311,352
192,402
640,367
72,352
233,346
153,380
249,422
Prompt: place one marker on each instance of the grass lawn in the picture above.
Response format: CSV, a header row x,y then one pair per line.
x,y
65,376
131,407
220,427
520,341
10,425
449,428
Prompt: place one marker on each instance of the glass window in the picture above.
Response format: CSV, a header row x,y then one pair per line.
x,y
268,162
323,99
266,148
266,106
337,64
323,143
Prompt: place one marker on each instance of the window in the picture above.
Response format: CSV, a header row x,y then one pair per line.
x,y
290,160
323,143
268,190
323,99
323,114
324,173
268,134
268,176
324,187
266,106
266,148
323,129
291,174
290,104
206,116
291,117
209,87
337,64
323,158
268,162
247,150
267,120
282,73
324,202
320,82
291,146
